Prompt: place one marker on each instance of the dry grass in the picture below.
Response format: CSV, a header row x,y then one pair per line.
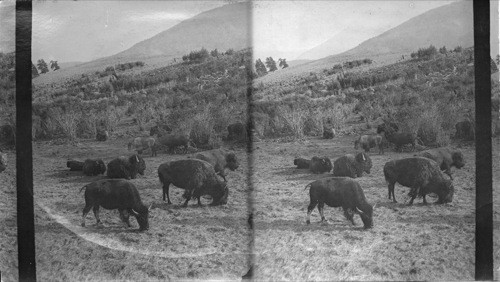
x,y
434,242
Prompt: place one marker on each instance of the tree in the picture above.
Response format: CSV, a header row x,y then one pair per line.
x,y
54,66
443,50
494,67
42,66
498,59
260,68
457,49
282,63
34,71
271,64
214,53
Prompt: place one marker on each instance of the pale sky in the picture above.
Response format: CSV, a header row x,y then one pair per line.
x,y
289,28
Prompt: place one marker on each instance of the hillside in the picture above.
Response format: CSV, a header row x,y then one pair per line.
x,y
450,26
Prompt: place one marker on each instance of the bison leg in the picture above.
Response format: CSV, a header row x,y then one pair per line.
x,y
413,193
166,186
124,215
321,205
425,201
391,192
86,210
188,197
310,208
96,214
349,214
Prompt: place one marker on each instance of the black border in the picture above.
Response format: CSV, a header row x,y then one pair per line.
x,y
24,150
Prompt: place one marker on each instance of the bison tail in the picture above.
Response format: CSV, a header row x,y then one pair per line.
x,y
83,188
307,186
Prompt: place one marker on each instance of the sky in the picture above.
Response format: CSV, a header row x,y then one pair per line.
x,y
286,29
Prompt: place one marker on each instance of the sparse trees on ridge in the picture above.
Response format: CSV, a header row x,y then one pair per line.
x,y
42,66
54,66
282,63
34,71
271,64
260,68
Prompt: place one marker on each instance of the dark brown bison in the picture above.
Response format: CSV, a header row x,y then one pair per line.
x,y
320,165
387,127
328,132
160,130
352,166
172,141
3,162
465,130
115,194
399,139
74,165
445,158
340,192
93,167
302,163
236,131
127,168
220,159
370,141
143,143
102,135
422,175
195,176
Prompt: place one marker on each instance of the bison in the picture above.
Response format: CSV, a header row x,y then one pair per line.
x,y
172,141
370,141
445,158
302,163
340,192
160,130
102,135
127,168
3,161
328,132
143,143
113,194
236,131
352,166
93,167
399,139
320,165
197,177
422,175
74,165
220,159
465,130
387,127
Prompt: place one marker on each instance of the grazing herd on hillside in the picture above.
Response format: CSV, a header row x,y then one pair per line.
x,y
422,173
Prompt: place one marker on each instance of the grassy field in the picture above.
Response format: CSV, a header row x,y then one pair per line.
x,y
182,243
433,242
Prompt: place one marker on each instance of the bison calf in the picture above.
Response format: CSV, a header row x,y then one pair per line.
x,y
113,194
340,192
422,175
220,159
445,158
197,177
320,165
127,168
352,166
302,163
370,141
93,167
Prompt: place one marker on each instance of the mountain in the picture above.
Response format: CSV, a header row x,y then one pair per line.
x,y
223,28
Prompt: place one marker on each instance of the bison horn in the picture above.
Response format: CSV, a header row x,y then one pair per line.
x,y
363,155
359,211
136,159
374,206
150,207
134,212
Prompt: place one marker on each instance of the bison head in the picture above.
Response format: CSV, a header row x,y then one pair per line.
x,y
232,161
138,163
365,161
219,193
366,215
458,159
445,191
142,216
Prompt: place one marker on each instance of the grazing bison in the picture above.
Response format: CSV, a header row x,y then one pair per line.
x,y
302,163
220,159
370,141
160,130
113,194
445,158
320,165
102,135
399,139
387,127
340,192
236,131
328,132
93,167
143,143
422,175
74,165
465,130
172,141
126,168
3,162
195,176
352,166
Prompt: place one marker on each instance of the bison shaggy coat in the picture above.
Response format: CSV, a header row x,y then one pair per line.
x,y
445,158
74,165
236,131
399,139
113,194
370,141
220,159
195,176
127,168
93,167
302,163
320,165
422,175
340,192
352,166
172,141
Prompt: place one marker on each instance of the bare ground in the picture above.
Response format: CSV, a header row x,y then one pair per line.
x,y
182,243
433,242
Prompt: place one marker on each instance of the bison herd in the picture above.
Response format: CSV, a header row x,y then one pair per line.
x,y
422,173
